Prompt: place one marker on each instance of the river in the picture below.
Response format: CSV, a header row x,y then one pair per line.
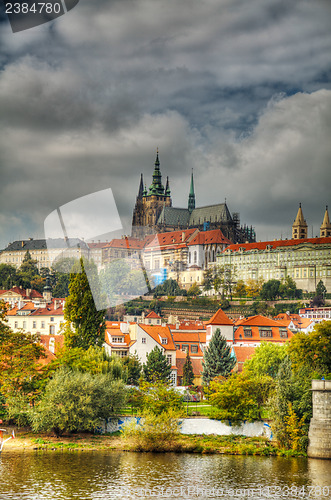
x,y
121,475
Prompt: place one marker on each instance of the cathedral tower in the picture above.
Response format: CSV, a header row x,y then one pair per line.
x,y
299,227
149,204
325,229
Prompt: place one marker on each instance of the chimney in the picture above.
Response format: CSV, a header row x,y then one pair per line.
x,y
28,292
183,236
56,304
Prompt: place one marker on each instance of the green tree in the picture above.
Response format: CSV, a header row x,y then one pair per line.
x,y
20,372
240,289
75,401
8,276
85,326
28,271
194,290
266,359
313,350
241,396
320,288
169,287
133,365
61,286
291,406
217,358
288,288
158,397
270,290
188,375
94,360
156,366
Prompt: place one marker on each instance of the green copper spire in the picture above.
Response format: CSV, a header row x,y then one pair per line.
x,y
145,191
156,187
191,196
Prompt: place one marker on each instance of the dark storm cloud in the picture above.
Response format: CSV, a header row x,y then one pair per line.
x,y
86,100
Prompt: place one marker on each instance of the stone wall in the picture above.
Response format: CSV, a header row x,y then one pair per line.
x,y
320,425
200,426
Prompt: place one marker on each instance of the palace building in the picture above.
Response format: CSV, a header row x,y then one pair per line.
x,y
154,213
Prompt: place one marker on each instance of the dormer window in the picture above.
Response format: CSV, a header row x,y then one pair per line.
x,y
164,340
265,332
247,331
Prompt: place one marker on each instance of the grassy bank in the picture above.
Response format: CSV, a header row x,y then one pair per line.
x,y
228,445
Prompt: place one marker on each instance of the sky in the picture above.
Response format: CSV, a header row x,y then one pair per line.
x,y
239,91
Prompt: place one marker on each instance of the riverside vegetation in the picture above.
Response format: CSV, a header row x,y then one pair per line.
x,y
84,385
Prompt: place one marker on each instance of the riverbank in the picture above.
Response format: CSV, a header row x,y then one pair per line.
x,y
203,444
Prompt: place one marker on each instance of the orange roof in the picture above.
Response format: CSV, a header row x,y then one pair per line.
x,y
220,318
243,352
59,341
239,334
129,243
153,314
170,239
209,237
97,245
262,245
185,337
196,365
156,331
113,324
259,320
49,310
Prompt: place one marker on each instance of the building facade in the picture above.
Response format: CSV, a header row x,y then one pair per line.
x,y
306,260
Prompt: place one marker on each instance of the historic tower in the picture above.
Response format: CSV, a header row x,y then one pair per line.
x,y
299,227
325,229
149,204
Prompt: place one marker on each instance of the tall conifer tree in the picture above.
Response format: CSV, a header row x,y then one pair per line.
x,y
188,375
157,366
85,326
217,359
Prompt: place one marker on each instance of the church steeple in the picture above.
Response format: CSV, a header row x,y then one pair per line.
x,y
141,187
167,188
325,229
299,227
191,196
156,187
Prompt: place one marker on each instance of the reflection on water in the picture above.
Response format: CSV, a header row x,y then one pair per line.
x,y
97,475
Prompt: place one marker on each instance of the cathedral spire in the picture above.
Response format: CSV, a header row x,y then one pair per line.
x,y
325,229
299,227
167,188
156,187
191,196
141,187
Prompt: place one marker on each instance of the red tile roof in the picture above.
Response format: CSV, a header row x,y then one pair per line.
x,y
153,315
171,239
129,243
196,365
243,352
262,245
220,318
213,236
156,331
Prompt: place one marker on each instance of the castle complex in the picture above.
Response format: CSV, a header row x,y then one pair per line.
x,y
154,213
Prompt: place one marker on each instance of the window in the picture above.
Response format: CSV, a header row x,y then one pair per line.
x,y
52,330
194,348
52,318
43,324
34,324
265,332
173,379
143,340
117,339
169,359
16,324
24,324
164,341
177,346
247,331
185,347
283,333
